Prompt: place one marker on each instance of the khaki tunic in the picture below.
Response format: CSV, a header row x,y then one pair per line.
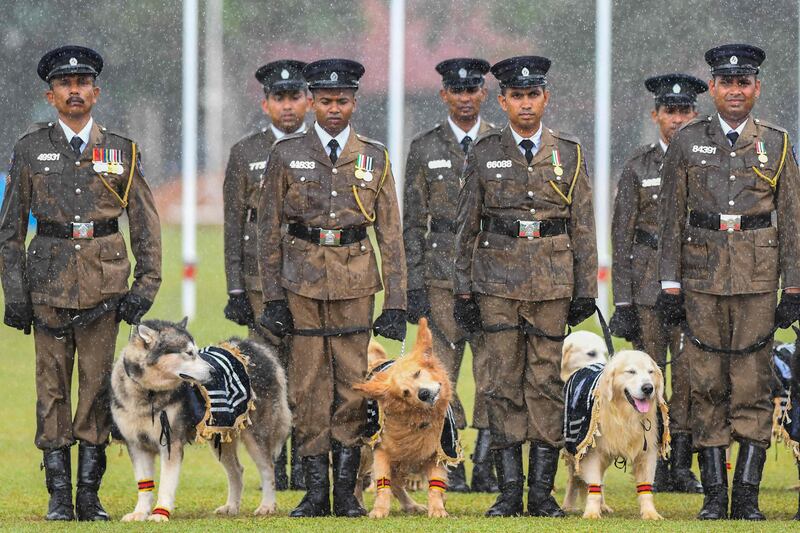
x,y
62,276
520,279
433,169
730,278
328,287
635,269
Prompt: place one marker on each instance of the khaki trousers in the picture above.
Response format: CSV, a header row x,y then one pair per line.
x,y
525,398
731,396
445,331
55,358
323,370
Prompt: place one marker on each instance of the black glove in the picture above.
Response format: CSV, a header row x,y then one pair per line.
x,y
19,316
391,324
579,310
239,310
786,313
132,308
277,318
418,305
625,323
670,309
467,314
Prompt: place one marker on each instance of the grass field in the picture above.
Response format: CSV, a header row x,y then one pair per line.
x,y
203,483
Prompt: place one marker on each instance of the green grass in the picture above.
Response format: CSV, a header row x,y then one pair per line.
x,y
203,482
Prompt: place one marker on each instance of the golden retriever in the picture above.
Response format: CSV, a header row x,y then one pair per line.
x,y
629,393
413,395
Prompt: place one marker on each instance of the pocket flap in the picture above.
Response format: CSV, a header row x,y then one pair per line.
x,y
767,239
111,249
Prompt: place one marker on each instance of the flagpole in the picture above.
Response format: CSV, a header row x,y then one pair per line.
x,y
189,156
602,147
396,96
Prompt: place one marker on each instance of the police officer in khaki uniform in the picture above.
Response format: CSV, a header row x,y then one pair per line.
x,y
525,267
78,179
319,278
634,235
729,234
285,103
435,163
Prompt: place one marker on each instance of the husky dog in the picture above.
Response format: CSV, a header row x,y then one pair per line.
x,y
151,382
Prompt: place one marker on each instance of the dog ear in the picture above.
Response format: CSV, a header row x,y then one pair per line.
x,y
605,386
375,388
184,322
659,382
424,342
146,334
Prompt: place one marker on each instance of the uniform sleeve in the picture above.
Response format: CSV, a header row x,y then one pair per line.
x,y
583,237
390,241
623,225
788,208
468,225
233,200
145,230
14,229
415,219
270,213
672,213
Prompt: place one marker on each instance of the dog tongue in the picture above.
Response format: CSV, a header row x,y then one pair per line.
x,y
643,406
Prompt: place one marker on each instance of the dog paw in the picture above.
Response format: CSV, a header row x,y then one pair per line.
x,y
157,518
607,509
415,509
266,509
379,513
651,514
227,510
437,513
134,517
592,515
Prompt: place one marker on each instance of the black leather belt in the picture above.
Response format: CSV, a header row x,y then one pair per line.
x,y
640,236
730,223
525,228
442,225
77,230
328,237
252,215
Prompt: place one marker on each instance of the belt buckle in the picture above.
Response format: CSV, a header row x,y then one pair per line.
x,y
83,230
529,228
330,237
730,223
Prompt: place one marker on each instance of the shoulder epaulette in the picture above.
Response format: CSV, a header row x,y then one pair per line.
x,y
252,135
33,128
695,121
769,125
495,132
565,136
373,142
289,137
643,150
107,131
427,132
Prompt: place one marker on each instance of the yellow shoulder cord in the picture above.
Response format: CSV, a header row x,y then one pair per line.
x,y
568,197
123,201
371,218
773,181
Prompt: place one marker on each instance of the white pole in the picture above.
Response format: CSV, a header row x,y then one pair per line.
x,y
602,150
397,22
214,95
189,155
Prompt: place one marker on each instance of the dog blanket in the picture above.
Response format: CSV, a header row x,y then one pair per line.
x,y
786,415
450,451
227,396
581,403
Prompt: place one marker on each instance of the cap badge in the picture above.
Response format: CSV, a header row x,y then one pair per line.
x,y
73,61
525,71
734,60
284,74
334,76
462,73
676,88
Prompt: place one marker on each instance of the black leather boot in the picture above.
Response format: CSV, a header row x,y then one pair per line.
x,y
746,480
58,478
542,467
297,480
508,462
457,479
797,516
317,501
483,478
91,467
345,471
714,476
281,479
683,479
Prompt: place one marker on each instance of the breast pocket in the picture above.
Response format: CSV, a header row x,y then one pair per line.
x,y
301,188
704,174
758,176
45,182
504,190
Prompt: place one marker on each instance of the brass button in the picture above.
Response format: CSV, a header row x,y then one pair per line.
x,y
332,215
733,154
486,243
335,171
730,230
530,169
77,246
334,193
302,178
440,177
732,178
533,211
77,218
46,169
434,245
77,191
654,197
530,194
77,163
363,248
730,202
246,237
498,175
703,162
